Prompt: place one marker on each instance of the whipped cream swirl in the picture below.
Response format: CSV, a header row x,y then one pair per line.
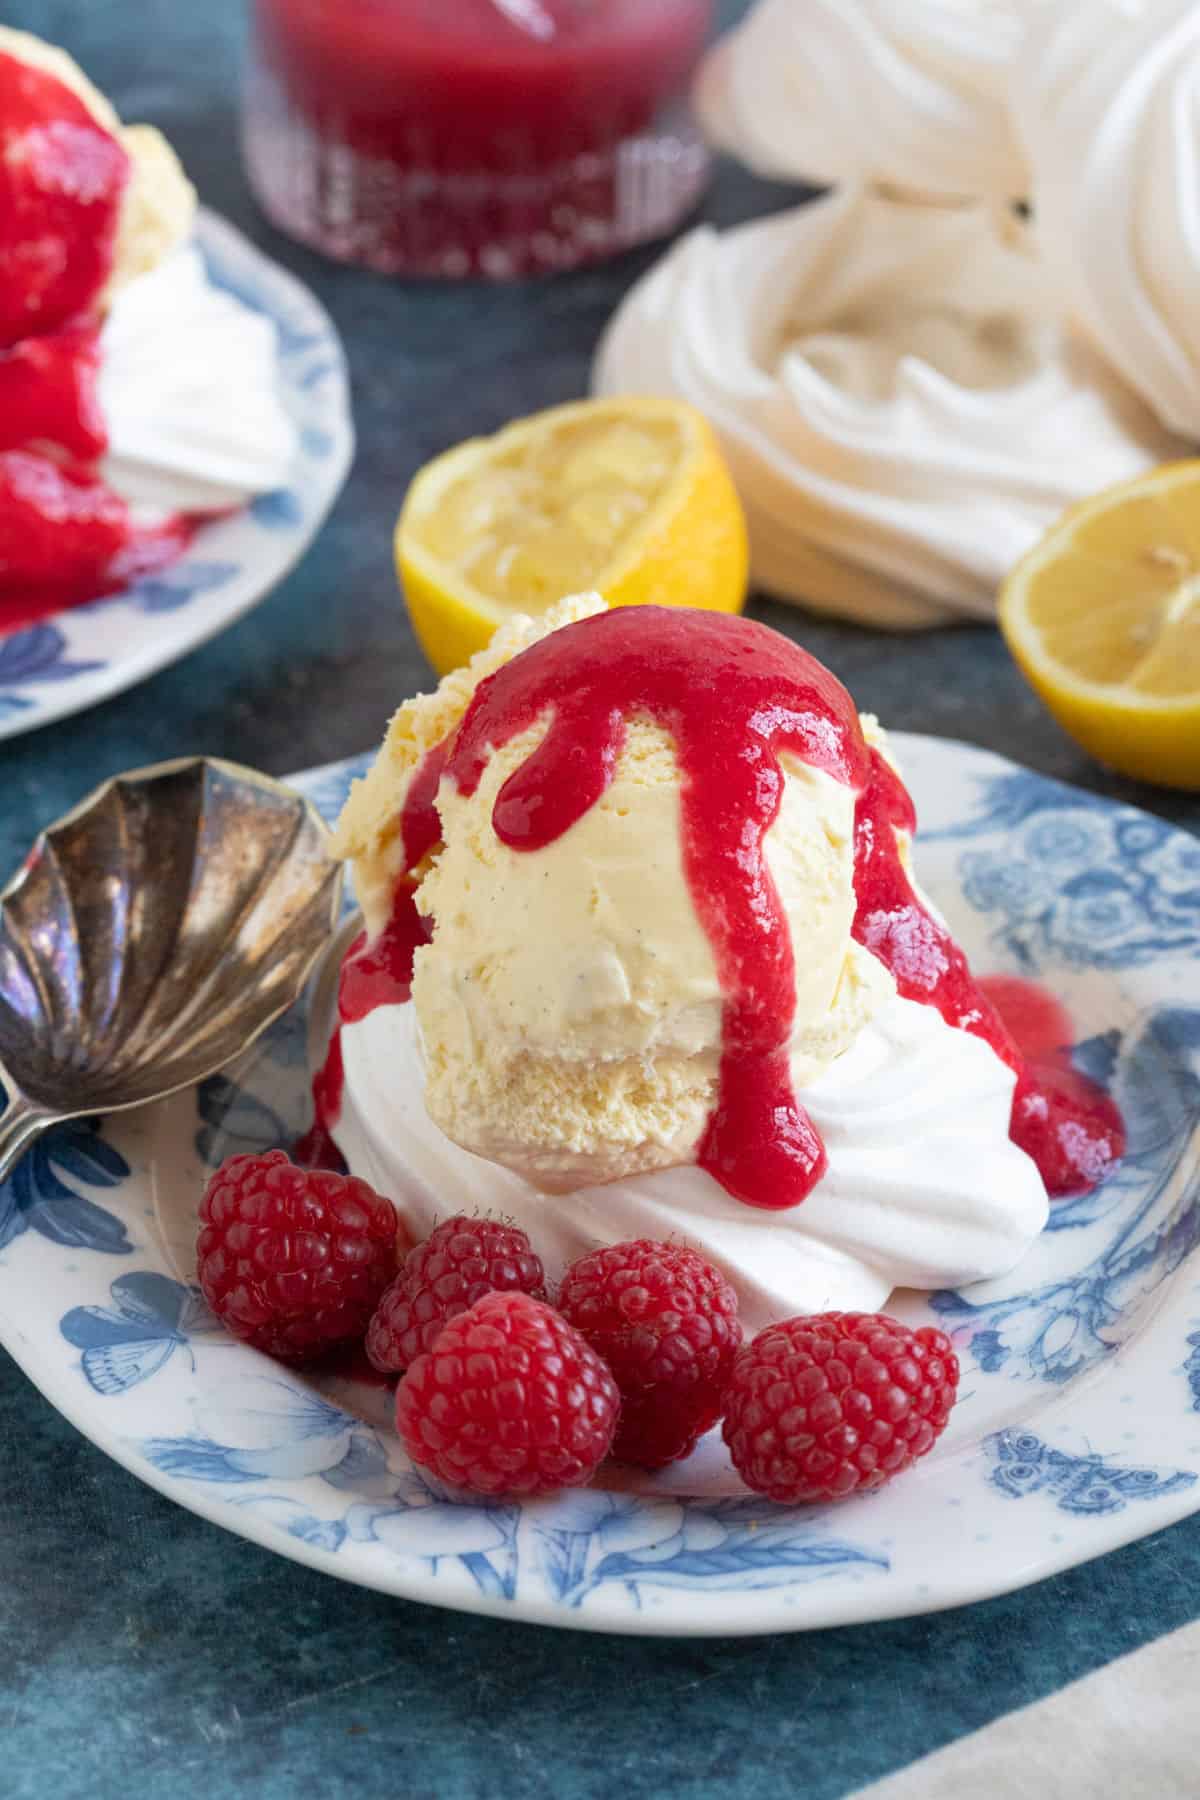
x,y
903,410
189,389
910,93
924,1188
1106,96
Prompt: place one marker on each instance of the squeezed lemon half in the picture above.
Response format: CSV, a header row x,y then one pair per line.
x,y
627,496
1104,619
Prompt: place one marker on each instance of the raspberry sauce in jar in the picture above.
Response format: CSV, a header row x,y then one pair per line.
x,y
484,137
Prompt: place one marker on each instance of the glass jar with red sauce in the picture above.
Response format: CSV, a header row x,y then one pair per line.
x,y
474,137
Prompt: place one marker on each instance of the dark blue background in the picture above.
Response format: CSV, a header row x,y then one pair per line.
x,y
145,1652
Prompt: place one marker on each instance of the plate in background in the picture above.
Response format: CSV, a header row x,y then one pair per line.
x,y
89,653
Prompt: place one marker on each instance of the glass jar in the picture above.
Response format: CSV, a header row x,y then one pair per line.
x,y
474,137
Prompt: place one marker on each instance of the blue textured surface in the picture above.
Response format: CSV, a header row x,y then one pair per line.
x,y
145,1650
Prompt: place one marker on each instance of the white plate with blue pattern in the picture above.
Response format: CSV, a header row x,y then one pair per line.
x,y
76,658
1078,1427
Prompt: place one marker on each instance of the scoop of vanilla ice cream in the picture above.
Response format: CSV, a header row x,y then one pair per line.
x,y
160,203
368,832
569,1004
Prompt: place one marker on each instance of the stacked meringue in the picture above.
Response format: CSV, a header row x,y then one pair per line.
x,y
1108,111
911,382
907,92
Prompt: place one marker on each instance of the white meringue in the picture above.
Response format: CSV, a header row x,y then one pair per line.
x,y
1106,96
901,409
906,92
924,1189
190,394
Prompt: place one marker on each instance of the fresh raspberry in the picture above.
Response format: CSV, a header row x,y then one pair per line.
x,y
459,1262
510,1400
293,1260
821,1407
665,1321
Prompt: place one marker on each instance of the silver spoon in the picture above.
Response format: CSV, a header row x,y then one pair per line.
x,y
151,935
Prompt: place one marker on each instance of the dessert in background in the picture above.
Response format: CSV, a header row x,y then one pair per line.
x,y
628,497
484,137
1106,97
902,406
136,400
643,958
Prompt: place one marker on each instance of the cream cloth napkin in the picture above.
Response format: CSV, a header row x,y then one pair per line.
x,y
1131,1731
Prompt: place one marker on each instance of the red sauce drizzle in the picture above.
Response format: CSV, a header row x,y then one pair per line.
x,y
735,696
65,535
378,974
893,924
48,394
62,180
1071,1128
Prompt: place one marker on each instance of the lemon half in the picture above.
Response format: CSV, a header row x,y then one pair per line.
x,y
627,496
1104,619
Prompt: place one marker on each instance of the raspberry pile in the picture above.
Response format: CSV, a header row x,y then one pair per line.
x,y
501,1392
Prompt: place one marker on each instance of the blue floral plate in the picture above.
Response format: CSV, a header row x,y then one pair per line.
x,y
89,653
1079,1423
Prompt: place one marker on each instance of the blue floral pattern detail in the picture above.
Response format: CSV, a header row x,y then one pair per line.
x,y
272,1431
600,1538
421,1522
277,511
40,1195
1191,1370
179,586
1023,1464
283,1432
236,1120
265,1429
35,655
1078,880
150,1318
1057,1330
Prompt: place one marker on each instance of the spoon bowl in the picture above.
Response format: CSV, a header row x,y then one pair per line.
x,y
151,935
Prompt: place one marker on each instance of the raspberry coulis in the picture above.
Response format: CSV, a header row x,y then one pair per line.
x,y
371,975
62,180
65,535
48,394
735,696
1071,1128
